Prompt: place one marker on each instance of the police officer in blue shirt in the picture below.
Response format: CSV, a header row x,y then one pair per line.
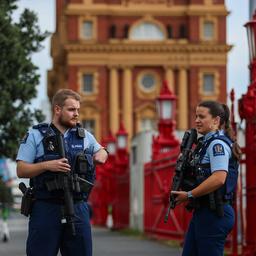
x,y
40,160
216,164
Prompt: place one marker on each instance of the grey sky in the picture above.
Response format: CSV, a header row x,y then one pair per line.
x,y
237,75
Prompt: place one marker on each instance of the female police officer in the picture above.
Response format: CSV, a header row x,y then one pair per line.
x,y
216,171
40,159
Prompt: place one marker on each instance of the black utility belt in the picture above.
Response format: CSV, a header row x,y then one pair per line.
x,y
206,203
59,201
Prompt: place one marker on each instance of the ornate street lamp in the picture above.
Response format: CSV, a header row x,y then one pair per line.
x,y
247,105
122,137
166,104
247,111
251,33
166,108
110,142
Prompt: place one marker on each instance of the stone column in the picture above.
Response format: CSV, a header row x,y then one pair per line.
x,y
183,100
169,77
127,100
113,100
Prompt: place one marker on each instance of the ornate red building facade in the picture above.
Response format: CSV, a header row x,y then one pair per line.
x,y
117,53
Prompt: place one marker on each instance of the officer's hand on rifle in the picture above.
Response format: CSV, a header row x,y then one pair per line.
x,y
58,165
180,196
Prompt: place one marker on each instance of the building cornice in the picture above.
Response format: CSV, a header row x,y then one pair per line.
x,y
148,48
163,9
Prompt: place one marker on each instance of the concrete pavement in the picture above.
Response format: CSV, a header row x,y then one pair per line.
x,y
105,242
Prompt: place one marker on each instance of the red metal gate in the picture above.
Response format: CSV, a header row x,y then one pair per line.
x,y
157,187
121,203
99,198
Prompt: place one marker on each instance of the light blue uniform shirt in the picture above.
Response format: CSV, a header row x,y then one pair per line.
x,y
217,154
32,147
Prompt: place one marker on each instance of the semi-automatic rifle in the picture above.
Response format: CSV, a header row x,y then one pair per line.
x,y
182,166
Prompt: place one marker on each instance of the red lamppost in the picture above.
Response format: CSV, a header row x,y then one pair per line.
x,y
122,142
110,143
247,111
166,108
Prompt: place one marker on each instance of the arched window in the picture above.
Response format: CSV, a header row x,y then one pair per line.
x,y
147,31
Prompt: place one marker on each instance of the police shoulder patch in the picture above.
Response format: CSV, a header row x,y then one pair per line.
x,y
24,139
218,150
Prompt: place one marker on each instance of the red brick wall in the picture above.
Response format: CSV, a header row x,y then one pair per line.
x,y
72,28
222,30
181,2
72,78
59,10
223,84
196,1
218,1
193,29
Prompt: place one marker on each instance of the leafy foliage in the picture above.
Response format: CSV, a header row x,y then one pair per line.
x,y
18,75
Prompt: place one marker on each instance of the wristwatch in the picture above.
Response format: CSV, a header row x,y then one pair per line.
x,y
189,195
106,150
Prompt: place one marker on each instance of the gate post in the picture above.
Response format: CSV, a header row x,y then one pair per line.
x,y
247,111
110,142
121,179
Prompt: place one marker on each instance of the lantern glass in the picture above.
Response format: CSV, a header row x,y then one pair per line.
x,y
111,147
250,42
121,141
166,109
251,34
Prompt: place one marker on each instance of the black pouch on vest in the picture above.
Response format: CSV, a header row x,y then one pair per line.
x,y
81,164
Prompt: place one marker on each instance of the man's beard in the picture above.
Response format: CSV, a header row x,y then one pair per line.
x,y
66,124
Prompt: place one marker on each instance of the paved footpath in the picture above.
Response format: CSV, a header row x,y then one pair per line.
x,y
105,242
109,243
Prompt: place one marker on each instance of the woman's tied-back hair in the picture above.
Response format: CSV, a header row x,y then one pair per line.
x,y
222,110
63,94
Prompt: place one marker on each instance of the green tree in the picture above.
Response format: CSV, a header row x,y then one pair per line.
x,y
18,75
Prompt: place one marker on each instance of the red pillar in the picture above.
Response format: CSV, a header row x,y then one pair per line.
x,y
247,111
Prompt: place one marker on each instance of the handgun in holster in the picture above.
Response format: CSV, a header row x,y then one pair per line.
x,y
27,199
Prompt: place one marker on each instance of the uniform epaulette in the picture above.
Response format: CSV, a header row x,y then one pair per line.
x,y
41,125
224,138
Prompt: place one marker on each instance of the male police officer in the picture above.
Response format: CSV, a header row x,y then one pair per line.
x,y
40,160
